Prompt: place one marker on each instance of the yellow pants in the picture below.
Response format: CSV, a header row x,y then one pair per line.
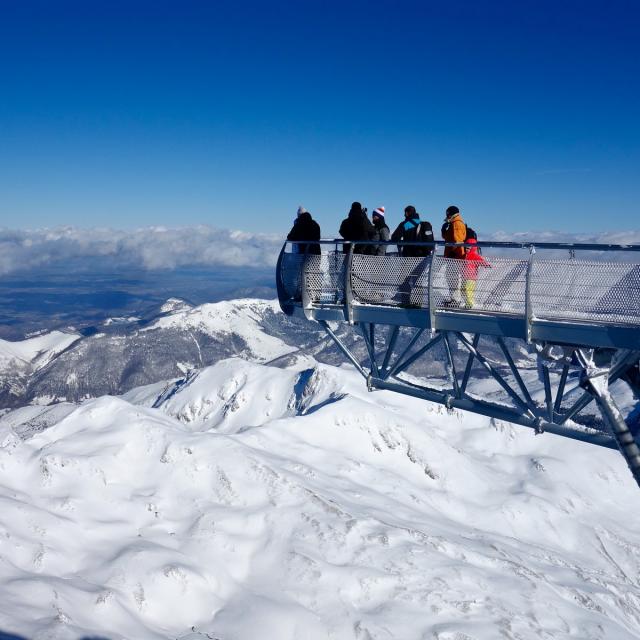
x,y
469,288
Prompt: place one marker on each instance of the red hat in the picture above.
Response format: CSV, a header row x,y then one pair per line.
x,y
378,212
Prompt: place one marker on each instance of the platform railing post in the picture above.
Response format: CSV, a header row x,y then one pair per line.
x,y
431,295
348,292
528,308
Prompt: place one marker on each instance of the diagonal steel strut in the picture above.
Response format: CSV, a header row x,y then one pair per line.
x,y
495,374
342,348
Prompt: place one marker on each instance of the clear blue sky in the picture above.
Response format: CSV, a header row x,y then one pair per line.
x,y
125,113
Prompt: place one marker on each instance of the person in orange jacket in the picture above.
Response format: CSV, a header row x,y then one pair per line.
x,y
454,229
472,262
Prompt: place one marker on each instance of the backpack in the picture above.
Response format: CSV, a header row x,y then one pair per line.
x,y
425,234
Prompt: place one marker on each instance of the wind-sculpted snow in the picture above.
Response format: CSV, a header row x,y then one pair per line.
x,y
257,502
248,397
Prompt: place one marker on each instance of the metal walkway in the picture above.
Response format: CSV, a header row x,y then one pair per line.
x,y
575,309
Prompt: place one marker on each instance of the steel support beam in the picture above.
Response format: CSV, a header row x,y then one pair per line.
x,y
516,374
392,345
561,387
414,339
548,399
453,374
402,366
344,349
467,369
586,398
499,412
616,423
370,349
496,375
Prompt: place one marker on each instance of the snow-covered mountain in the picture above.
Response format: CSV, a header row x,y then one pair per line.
x,y
21,360
248,501
125,353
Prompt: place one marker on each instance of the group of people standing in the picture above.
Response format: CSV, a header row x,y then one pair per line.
x,y
356,226
359,230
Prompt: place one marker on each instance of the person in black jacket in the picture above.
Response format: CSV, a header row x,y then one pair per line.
x,y
412,229
356,226
305,228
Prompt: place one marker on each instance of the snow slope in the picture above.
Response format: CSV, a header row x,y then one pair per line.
x,y
256,502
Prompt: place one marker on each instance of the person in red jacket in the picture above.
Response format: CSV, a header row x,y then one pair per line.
x,y
472,262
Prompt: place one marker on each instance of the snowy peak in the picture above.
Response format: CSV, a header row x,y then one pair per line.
x,y
173,305
238,320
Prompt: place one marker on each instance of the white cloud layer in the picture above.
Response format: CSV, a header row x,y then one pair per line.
x,y
164,248
147,248
602,237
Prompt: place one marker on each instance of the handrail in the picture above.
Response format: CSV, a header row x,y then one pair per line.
x,y
570,246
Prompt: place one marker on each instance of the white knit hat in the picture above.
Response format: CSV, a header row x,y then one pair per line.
x,y
301,210
378,212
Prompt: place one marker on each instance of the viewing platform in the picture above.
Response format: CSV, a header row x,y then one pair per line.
x,y
564,293
576,308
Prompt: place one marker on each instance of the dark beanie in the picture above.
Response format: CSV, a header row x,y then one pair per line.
x,y
410,209
356,206
452,210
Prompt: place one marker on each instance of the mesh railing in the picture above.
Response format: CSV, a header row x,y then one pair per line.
x,y
391,280
324,277
585,290
496,284
560,289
